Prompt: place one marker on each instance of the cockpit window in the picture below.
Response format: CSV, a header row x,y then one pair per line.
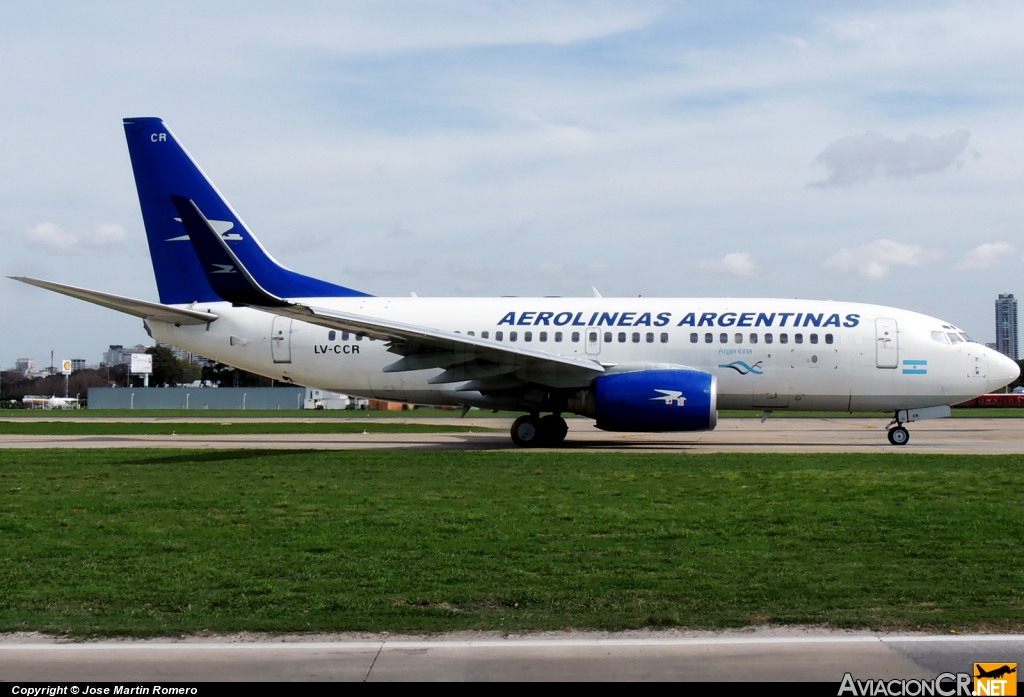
x,y
940,337
954,338
964,337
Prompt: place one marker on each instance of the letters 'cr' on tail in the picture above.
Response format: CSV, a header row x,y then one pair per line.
x,y
163,168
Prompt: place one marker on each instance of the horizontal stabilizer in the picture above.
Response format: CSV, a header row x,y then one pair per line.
x,y
130,306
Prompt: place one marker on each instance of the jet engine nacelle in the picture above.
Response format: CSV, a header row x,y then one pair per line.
x,y
651,400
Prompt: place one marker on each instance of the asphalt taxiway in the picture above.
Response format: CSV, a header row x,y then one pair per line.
x,y
781,435
758,655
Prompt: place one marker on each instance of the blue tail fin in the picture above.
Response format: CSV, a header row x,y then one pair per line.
x,y
163,169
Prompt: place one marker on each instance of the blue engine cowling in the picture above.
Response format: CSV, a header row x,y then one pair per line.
x,y
651,400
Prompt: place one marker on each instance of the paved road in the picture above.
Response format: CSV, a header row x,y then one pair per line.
x,y
964,436
777,654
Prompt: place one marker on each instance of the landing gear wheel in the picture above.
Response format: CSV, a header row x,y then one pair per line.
x,y
552,430
899,436
526,432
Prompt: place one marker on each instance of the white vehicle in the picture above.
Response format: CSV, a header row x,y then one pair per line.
x,y
42,402
632,364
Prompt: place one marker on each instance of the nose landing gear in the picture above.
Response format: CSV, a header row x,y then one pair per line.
x,y
899,435
531,431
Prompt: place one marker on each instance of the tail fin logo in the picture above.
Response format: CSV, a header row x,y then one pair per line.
x,y
223,227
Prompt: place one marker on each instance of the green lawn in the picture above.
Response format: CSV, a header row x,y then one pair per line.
x,y
121,428
160,542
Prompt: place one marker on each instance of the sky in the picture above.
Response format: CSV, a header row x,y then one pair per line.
x,y
861,151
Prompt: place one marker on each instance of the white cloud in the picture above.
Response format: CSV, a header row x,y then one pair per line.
x,y
861,158
986,256
736,264
875,259
53,238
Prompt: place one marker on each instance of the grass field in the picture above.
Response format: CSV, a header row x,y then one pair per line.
x,y
147,542
121,428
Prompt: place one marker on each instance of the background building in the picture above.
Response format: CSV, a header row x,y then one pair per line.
x,y
120,355
1006,325
25,366
77,364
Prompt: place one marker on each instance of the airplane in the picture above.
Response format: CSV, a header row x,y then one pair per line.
x,y
631,364
995,672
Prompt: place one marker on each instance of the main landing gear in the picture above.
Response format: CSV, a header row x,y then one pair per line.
x,y
531,431
898,435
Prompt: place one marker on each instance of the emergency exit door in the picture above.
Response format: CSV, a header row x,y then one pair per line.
x,y
887,343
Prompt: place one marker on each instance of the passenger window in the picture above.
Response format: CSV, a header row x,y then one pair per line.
x,y
739,338
607,337
828,339
768,338
622,337
723,338
753,338
814,338
331,334
543,336
664,337
693,337
940,337
498,336
373,338
798,338
485,335
636,337
359,337
344,336
558,337
512,336
650,337
471,333
593,337
954,338
708,338
783,338
527,336
575,337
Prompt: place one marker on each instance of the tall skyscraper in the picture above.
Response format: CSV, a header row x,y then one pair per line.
x,y
1006,325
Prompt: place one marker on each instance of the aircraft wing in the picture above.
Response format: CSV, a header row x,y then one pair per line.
x,y
486,364
483,364
131,306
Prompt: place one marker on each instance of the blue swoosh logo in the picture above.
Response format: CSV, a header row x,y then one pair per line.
x,y
744,369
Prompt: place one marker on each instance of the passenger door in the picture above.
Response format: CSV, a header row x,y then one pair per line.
x,y
887,343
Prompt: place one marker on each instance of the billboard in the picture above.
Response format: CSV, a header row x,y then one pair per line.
x,y
142,364
65,367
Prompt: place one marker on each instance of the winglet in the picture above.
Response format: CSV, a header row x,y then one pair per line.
x,y
227,275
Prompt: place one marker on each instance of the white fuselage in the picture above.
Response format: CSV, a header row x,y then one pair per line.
x,y
766,353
